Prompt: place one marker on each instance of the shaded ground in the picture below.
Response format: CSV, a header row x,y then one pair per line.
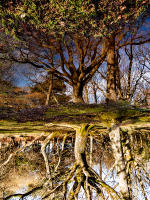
x,y
32,120
22,115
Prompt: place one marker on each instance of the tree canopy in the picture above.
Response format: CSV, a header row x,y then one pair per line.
x,y
96,17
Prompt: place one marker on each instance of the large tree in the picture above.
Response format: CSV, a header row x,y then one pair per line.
x,y
70,58
96,18
132,35
131,71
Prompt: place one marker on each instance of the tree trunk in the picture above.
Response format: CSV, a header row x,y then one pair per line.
x,y
77,95
129,74
86,94
89,178
126,147
80,144
49,90
115,138
91,150
95,95
119,92
111,70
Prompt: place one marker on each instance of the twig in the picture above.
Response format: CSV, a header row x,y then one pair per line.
x,y
63,144
25,194
18,150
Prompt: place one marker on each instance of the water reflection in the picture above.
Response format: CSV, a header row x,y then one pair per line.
x,y
26,169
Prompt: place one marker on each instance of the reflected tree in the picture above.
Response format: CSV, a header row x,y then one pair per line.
x,y
65,176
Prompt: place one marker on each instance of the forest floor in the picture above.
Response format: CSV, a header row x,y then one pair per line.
x,y
34,120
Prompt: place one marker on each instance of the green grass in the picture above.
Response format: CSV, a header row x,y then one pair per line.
x,y
73,110
102,113
7,126
78,114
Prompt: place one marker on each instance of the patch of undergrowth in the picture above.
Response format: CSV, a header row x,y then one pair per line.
x,y
73,109
75,114
8,126
103,113
119,114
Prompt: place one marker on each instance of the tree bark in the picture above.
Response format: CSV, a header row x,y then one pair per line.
x,y
86,94
91,150
115,138
95,94
49,90
118,90
77,95
88,175
80,144
125,139
130,55
111,70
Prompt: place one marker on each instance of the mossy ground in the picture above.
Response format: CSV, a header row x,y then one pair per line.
x,y
98,114
13,127
102,115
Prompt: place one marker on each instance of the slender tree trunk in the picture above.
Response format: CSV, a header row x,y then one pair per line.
x,y
77,95
127,157
91,150
49,90
100,166
115,138
55,99
95,94
111,70
86,94
119,93
129,73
